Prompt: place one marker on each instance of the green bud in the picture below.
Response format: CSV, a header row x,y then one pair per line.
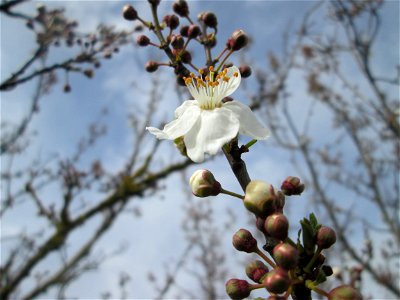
x,y
286,256
256,270
203,184
244,241
277,281
260,198
277,226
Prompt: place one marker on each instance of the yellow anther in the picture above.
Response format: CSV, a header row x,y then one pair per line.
x,y
236,74
207,78
192,75
201,71
226,78
211,68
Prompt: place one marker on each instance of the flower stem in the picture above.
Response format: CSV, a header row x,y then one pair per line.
x,y
223,191
307,269
312,286
251,143
256,286
266,258
223,61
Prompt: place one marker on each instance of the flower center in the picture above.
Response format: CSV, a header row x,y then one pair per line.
x,y
209,91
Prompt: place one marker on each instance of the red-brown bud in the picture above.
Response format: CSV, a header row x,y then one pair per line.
x,y
209,19
245,71
154,2
256,270
172,21
344,292
260,198
67,88
143,40
277,281
277,226
193,31
184,31
88,73
238,40
203,184
244,241
237,288
292,186
177,41
326,237
129,13
186,57
181,8
286,256
151,66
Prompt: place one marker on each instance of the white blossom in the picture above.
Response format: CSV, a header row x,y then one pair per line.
x,y
206,123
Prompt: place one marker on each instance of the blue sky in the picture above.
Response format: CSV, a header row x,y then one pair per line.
x,y
115,87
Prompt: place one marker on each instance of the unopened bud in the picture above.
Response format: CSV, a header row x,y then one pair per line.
x,y
277,226
256,270
193,31
244,241
88,73
184,31
328,271
238,40
143,40
292,186
326,237
129,13
151,66
181,8
209,19
177,41
260,198
186,57
67,88
245,71
286,256
344,292
237,288
203,184
277,281
154,2
227,99
172,21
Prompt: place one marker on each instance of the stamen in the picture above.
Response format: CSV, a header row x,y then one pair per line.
x,y
236,74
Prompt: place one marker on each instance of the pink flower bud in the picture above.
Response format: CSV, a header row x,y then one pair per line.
x,y
238,40
151,66
177,42
129,13
186,57
237,288
277,226
260,198
245,71
172,21
181,8
193,31
143,40
277,281
209,19
256,270
326,237
286,256
344,292
244,241
292,186
203,184
184,31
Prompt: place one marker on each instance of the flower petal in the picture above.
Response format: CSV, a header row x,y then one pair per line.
x,y
188,116
249,124
184,106
213,129
227,88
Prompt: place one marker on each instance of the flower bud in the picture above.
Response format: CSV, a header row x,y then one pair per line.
x,y
181,8
244,241
277,226
172,21
286,256
203,184
260,198
186,57
280,201
209,19
277,281
238,40
211,41
129,13
227,99
177,41
88,73
344,292
184,31
256,270
151,66
292,186
154,2
193,31
143,40
326,237
245,71
67,88
328,271
237,288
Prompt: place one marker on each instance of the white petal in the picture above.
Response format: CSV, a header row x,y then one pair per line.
x,y
180,126
184,106
212,130
249,124
228,88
